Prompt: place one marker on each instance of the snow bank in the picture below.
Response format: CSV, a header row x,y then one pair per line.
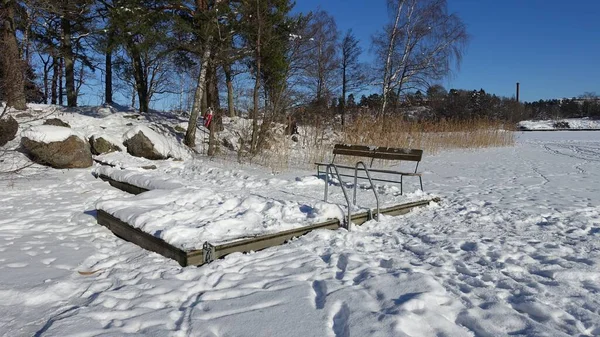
x,y
49,133
574,123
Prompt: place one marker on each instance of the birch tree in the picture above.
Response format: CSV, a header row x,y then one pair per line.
x,y
420,45
322,57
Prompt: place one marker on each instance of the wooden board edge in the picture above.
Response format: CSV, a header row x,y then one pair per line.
x,y
196,257
125,187
141,238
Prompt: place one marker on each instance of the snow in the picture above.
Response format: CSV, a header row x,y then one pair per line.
x,y
48,133
187,217
574,123
513,248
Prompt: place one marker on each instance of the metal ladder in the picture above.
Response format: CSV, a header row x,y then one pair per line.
x,y
337,172
370,182
329,170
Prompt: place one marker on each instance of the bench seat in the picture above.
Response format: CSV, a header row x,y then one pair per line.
x,y
374,152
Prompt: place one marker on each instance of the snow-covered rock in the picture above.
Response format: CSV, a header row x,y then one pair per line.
x,y
57,147
56,122
101,145
141,141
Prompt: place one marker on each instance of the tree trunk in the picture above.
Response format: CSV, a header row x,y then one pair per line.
x,y
343,100
229,82
388,61
190,134
139,75
254,139
255,108
45,79
67,54
212,97
55,79
13,83
108,90
60,81
204,102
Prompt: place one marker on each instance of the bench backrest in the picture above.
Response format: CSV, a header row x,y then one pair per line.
x,y
387,153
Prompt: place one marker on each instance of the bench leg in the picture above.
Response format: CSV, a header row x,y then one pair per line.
x,y
401,184
421,182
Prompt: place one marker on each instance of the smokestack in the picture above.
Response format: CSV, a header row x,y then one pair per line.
x,y
517,91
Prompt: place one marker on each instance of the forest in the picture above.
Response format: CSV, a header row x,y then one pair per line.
x,y
258,59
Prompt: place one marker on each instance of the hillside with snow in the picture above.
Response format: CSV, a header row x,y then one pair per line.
x,y
560,124
511,249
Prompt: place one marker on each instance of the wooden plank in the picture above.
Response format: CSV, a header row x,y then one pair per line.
x,y
196,257
123,186
276,239
383,149
387,153
271,240
378,155
140,238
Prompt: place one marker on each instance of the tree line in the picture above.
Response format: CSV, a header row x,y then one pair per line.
x,y
199,49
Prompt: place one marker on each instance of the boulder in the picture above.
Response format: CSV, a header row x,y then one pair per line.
x,y
230,143
8,130
24,115
100,145
56,122
72,152
140,146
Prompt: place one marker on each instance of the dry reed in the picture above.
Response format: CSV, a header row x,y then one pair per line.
x,y
430,136
315,142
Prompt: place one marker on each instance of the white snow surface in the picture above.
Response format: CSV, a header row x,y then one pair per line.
x,y
513,249
574,123
48,133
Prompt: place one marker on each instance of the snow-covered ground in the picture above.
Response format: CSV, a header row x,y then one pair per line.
x,y
513,248
566,123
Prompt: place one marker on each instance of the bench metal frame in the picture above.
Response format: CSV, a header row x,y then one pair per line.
x,y
386,153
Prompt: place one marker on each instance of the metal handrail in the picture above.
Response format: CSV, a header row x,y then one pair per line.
x,y
337,172
370,182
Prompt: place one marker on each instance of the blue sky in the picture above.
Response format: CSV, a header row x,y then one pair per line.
x,y
551,47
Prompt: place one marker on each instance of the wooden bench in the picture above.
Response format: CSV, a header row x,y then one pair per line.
x,y
374,152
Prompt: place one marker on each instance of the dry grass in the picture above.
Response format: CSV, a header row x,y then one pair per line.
x,y
430,136
315,142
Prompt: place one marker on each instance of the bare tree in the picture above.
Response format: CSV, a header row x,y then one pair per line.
x,y
352,76
419,46
321,70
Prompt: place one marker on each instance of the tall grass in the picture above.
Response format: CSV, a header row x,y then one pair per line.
x,y
315,142
430,136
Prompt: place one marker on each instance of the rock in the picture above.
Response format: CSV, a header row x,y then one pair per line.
x,y
24,115
100,145
8,130
56,122
230,143
295,138
140,146
180,129
72,152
